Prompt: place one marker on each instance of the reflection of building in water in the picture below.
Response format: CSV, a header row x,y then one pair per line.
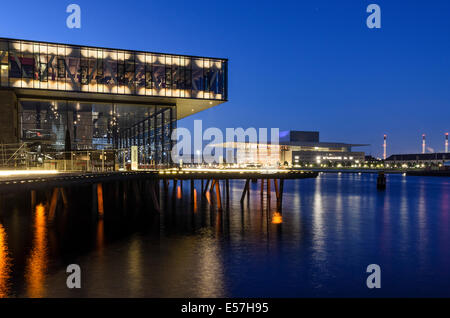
x,y
5,264
37,261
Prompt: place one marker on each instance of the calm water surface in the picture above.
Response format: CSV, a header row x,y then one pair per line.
x,y
329,230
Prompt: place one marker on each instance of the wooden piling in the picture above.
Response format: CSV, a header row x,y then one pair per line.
x,y
64,197
101,210
53,204
219,201
246,190
206,187
227,186
155,198
174,188
262,189
192,191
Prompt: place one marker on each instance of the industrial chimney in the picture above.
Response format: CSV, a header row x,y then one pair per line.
x,y
384,148
423,143
446,142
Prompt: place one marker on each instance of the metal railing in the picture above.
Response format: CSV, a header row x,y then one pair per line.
x,y
21,156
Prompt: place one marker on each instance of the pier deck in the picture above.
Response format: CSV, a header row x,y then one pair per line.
x,y
38,181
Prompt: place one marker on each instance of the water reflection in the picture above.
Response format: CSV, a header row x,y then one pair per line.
x,y
277,218
135,270
37,261
318,221
332,227
5,264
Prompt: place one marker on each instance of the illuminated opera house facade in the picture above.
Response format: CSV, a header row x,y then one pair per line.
x,y
97,98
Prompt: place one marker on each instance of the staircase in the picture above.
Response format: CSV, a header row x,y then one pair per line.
x,y
14,156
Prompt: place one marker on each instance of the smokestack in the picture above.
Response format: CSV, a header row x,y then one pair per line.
x,y
446,142
423,143
384,148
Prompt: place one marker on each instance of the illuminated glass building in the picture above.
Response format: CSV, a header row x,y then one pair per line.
x,y
295,148
65,97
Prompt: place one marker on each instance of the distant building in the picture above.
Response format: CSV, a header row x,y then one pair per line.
x,y
419,158
305,147
296,148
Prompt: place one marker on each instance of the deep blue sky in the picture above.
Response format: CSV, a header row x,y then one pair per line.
x,y
305,65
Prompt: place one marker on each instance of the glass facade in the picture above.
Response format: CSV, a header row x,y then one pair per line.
x,y
49,66
67,126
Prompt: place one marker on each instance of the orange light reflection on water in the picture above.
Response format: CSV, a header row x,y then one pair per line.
x,y
277,218
208,197
37,261
195,200
5,264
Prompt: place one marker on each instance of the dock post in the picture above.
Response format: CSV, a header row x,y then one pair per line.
x,y
53,204
245,191
101,211
192,191
280,204
206,187
227,186
64,197
219,201
166,186
212,185
33,199
155,199
277,193
174,188
262,189
268,193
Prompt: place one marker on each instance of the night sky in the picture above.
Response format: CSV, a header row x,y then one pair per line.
x,y
299,65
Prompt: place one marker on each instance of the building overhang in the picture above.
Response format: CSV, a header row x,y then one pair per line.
x,y
185,106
